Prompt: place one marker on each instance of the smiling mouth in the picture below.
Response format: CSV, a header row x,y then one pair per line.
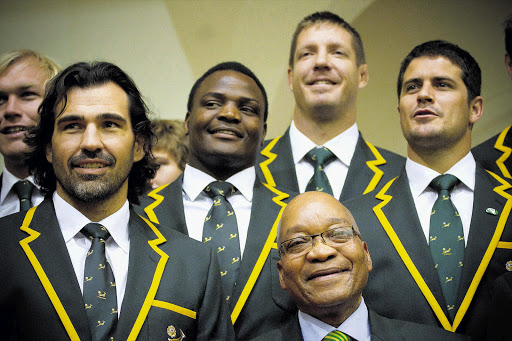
x,y
322,82
226,132
12,130
324,273
91,165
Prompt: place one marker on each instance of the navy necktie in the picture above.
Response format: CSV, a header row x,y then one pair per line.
x,y
24,189
99,285
221,231
446,239
319,158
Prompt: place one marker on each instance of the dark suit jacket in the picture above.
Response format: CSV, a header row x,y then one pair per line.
x,y
404,283
370,167
501,310
495,154
381,329
258,303
172,281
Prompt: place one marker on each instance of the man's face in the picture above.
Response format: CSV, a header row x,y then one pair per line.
x,y
21,92
93,146
325,71
226,123
326,277
168,171
433,105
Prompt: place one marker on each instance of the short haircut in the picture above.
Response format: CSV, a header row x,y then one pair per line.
x,y
326,17
86,75
508,35
228,66
471,74
10,58
170,136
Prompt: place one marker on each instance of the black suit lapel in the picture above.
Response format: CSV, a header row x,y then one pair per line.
x,y
49,256
166,203
276,166
484,234
399,210
146,265
261,237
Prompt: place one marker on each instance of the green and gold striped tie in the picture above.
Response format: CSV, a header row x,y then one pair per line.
x,y
336,335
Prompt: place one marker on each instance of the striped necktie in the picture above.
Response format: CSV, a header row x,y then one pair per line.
x,y
336,335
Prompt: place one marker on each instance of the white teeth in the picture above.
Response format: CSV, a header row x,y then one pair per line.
x,y
322,82
92,165
12,130
225,132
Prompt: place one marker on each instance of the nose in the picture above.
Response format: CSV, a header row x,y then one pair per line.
x,y
230,112
425,95
320,251
12,108
91,139
322,60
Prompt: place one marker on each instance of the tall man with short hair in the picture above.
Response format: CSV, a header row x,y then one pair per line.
x,y
440,232
322,149
23,75
221,201
82,264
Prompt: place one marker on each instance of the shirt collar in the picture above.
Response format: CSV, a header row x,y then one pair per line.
x,y
420,176
8,180
72,221
195,181
356,325
342,145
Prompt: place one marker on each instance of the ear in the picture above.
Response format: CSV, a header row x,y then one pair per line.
x,y
49,153
290,79
280,271
368,258
363,75
263,134
476,107
185,124
138,149
508,65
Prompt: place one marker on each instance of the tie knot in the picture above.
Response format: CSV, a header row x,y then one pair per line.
x,y
23,189
221,188
444,182
94,230
320,156
336,335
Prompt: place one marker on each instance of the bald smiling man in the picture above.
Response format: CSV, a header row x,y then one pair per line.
x,y
324,267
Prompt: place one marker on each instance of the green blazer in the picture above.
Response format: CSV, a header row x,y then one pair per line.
x,y
258,303
370,167
495,154
404,283
381,329
173,283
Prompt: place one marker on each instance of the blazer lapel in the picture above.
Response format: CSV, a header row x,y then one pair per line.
x,y
278,168
49,256
266,211
146,265
397,214
484,235
166,203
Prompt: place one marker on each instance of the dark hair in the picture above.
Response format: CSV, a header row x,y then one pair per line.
x,y
86,75
508,35
471,74
228,66
328,18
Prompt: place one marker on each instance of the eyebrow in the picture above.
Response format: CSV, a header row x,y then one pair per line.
x,y
103,116
222,96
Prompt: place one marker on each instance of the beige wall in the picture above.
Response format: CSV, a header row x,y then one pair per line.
x,y
166,45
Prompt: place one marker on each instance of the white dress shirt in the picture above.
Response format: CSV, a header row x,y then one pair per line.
x,y
342,146
117,248
9,201
196,203
357,325
424,197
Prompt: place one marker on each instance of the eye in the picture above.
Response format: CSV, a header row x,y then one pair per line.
x,y
71,126
339,235
211,104
304,54
249,109
111,124
28,95
296,244
411,87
